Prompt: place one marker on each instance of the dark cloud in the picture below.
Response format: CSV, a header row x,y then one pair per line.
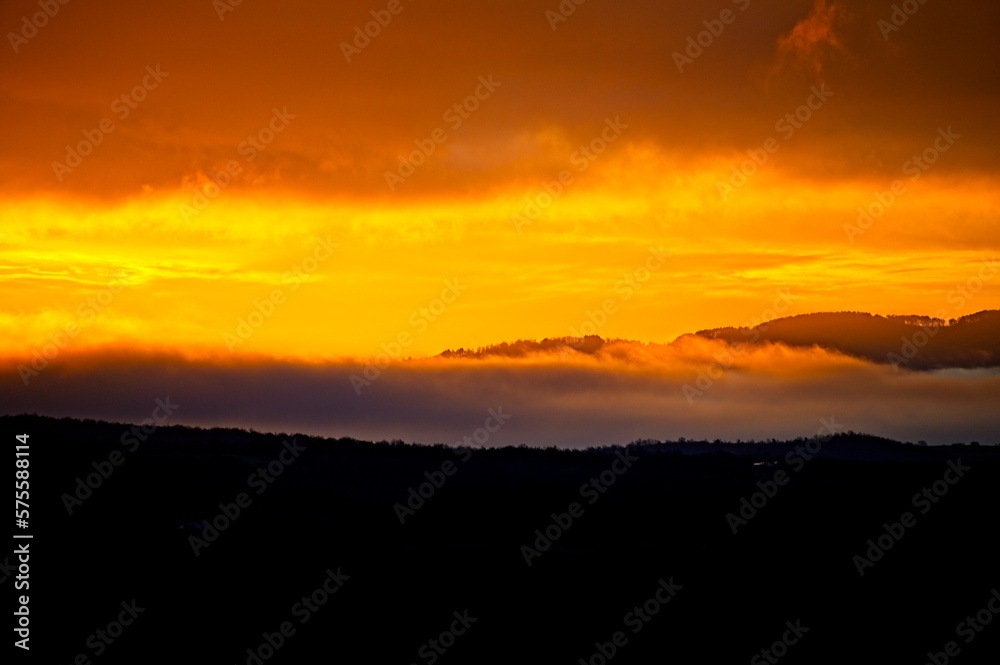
x,y
354,119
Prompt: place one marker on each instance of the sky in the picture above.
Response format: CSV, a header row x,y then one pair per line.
x,y
264,184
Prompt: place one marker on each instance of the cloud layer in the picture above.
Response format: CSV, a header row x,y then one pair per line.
x,y
196,201
355,120
696,388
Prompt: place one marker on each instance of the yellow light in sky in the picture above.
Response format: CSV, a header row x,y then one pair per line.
x,y
315,279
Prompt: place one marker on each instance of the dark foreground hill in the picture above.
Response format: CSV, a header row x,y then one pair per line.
x,y
392,553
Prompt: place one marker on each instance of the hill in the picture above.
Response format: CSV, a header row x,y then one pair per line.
x,y
223,534
914,342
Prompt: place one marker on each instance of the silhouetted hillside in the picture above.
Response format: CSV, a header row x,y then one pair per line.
x,y
910,342
423,532
524,347
913,342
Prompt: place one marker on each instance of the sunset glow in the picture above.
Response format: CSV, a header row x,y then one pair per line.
x,y
256,183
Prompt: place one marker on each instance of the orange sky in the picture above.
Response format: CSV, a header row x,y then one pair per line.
x,y
246,184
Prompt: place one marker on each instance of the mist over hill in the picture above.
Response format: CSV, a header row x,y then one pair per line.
x,y
906,378
915,342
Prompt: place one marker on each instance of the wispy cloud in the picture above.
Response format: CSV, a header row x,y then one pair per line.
x,y
813,39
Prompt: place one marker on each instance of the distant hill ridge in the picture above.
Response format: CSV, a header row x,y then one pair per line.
x,y
910,341
913,341
84,434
